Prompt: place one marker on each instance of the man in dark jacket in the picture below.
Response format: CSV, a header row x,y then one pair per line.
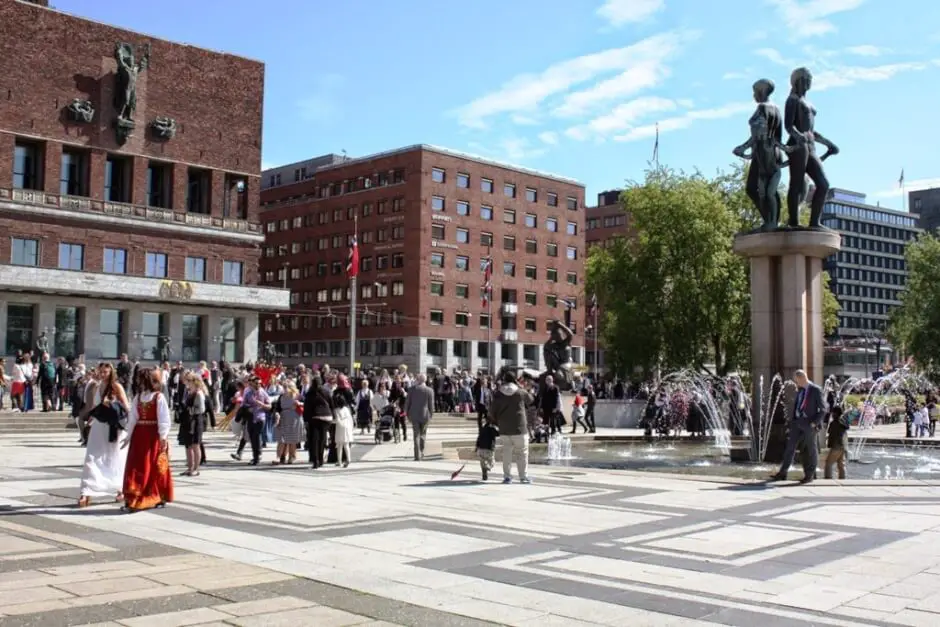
x,y
809,413
589,408
550,405
508,411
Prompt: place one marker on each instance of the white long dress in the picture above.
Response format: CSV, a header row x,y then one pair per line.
x,y
103,473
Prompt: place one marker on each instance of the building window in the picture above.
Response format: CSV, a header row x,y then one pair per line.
x,y
531,298
195,269
572,228
462,291
463,263
531,220
381,263
25,252
572,253
551,300
115,261
551,275
462,318
228,336
71,256
463,236
531,195
463,181
530,324
552,225
153,330
20,325
398,288
509,216
572,278
437,231
509,268
437,288
551,199
192,338
27,170
509,190
323,296
484,324
197,190
73,176
531,247
437,316
509,242
398,205
531,272
398,260
111,327
398,232
551,250
486,186
438,175
117,179
463,208
381,235
232,272
437,260
235,202
486,239
156,265
158,185
67,332
486,212
572,203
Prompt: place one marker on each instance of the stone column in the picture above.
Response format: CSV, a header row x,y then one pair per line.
x,y
91,331
175,332
134,324
786,311
3,326
249,338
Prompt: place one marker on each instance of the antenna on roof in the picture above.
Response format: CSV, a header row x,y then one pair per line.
x,y
345,156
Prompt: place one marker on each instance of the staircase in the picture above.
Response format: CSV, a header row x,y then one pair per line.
x,y
34,422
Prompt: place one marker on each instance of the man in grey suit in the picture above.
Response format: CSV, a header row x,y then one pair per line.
x,y
809,412
419,407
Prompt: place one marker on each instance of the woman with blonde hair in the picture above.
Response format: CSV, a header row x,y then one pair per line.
x,y
103,471
193,421
289,424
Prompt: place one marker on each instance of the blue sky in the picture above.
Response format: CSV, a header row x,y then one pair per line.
x,y
576,87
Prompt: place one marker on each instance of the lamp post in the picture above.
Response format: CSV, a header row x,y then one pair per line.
x,y
286,268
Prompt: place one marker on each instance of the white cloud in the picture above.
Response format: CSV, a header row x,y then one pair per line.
x,y
525,92
846,76
622,118
549,137
524,120
733,76
774,57
807,18
684,121
866,51
909,186
620,12
510,149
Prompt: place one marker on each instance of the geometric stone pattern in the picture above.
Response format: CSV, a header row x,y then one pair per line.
x,y
388,541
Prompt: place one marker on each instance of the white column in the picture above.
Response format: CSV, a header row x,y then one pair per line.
x,y
249,337
213,350
91,330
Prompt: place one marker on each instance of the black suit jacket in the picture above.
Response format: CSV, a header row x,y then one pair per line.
x,y
812,407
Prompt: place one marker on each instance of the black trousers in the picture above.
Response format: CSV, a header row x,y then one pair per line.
x,y
402,423
317,436
482,413
589,418
254,436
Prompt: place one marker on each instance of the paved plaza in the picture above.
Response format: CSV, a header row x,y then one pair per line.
x,y
389,541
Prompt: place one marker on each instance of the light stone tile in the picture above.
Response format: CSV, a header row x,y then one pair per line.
x,y
913,618
730,540
551,620
129,595
493,612
19,557
420,543
276,604
92,568
30,595
880,603
821,598
929,604
13,544
318,615
56,537
105,586
254,580
176,619
33,607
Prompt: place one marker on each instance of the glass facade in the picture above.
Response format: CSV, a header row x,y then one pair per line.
x,y
228,332
192,338
112,333
21,326
67,339
153,328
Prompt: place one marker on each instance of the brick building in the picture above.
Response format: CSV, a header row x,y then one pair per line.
x,y
427,217
605,222
128,205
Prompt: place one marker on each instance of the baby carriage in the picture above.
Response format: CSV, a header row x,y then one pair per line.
x,y
387,427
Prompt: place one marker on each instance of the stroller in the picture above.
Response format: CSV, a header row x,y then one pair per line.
x,y
387,427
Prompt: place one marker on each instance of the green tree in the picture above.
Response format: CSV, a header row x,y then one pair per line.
x,y
675,295
915,325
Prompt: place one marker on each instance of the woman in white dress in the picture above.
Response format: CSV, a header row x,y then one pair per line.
x,y
103,473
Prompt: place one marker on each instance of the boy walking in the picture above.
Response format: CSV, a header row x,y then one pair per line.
x,y
838,442
486,447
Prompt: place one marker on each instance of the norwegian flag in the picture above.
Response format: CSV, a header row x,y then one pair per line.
x,y
593,310
352,259
487,267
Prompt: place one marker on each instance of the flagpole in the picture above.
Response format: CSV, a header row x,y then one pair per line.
x,y
490,353
597,364
352,304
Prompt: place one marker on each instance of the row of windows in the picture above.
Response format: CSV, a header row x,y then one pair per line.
x,y
877,230
25,252
346,186
531,220
854,322
462,263
75,180
852,306
865,291
508,296
462,236
462,319
367,318
869,214
870,276
874,261
862,243
395,205
439,175
340,348
68,337
606,222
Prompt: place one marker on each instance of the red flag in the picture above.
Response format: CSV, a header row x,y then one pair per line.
x,y
487,283
352,260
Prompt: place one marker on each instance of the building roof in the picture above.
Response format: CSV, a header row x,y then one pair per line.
x,y
430,148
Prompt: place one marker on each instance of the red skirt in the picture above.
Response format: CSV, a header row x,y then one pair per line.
x,y
148,481
17,388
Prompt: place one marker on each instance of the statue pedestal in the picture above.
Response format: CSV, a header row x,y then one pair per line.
x,y
786,310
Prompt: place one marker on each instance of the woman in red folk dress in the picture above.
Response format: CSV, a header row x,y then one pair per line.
x,y
147,479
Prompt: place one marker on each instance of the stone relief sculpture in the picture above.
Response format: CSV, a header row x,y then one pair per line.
x,y
129,67
81,110
163,127
765,150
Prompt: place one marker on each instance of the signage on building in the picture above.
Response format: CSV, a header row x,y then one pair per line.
x,y
441,218
394,219
435,273
438,244
388,246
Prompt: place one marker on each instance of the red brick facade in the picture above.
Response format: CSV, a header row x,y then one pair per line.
x,y
406,227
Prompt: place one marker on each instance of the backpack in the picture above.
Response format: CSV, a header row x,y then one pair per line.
x,y
49,370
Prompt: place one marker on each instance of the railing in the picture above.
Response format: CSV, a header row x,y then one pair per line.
x,y
79,204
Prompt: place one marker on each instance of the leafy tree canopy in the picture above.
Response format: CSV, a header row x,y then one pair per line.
x,y
915,325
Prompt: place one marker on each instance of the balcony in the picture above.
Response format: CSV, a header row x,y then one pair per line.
x,y
145,289
510,309
30,202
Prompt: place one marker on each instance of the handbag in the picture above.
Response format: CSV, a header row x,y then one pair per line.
x,y
243,415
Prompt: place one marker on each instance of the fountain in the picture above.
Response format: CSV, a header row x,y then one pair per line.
x,y
559,447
